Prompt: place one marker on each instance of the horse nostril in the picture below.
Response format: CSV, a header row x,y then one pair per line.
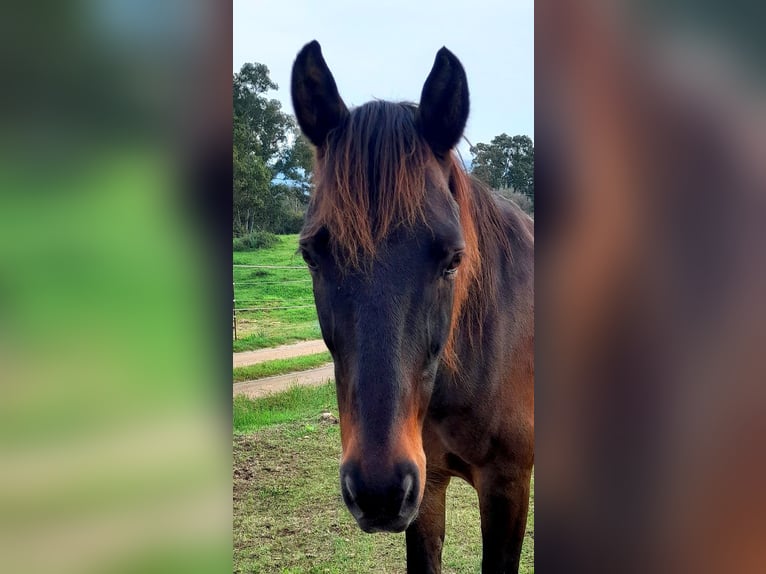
x,y
349,486
410,494
348,490
407,484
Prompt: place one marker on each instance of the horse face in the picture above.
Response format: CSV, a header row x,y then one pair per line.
x,y
386,326
386,319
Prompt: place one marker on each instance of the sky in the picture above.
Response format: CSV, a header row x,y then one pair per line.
x,y
385,50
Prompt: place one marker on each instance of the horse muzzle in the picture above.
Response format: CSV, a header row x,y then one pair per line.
x,y
381,501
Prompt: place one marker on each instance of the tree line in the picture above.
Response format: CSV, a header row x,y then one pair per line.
x,y
273,161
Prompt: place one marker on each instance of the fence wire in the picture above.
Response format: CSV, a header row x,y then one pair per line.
x,y
271,267
259,305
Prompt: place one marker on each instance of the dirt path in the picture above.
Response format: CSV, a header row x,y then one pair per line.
x,y
284,352
269,385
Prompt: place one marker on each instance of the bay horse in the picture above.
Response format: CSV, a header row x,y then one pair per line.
x,y
423,283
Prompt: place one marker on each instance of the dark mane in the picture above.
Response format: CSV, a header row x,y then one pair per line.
x,y
370,178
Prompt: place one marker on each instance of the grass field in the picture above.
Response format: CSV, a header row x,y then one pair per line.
x,y
302,404
281,366
288,513
273,288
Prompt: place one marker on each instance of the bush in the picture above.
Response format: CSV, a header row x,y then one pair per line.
x,y
255,240
520,199
289,222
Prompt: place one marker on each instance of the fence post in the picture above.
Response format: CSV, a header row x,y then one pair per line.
x,y
234,309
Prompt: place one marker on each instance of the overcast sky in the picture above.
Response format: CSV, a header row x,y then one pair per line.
x,y
385,49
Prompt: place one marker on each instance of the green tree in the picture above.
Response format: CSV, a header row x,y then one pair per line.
x,y
251,182
268,126
296,163
272,159
506,163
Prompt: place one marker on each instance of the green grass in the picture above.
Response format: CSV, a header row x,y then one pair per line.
x,y
280,366
273,288
295,404
288,513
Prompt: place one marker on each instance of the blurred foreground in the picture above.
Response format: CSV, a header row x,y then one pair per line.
x,y
651,251
113,438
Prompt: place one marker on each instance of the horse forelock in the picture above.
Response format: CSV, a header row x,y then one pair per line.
x,y
370,178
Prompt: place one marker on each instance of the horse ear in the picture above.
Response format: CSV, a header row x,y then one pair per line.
x,y
444,103
318,106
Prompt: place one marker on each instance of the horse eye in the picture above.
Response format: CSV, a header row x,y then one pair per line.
x,y
451,268
308,259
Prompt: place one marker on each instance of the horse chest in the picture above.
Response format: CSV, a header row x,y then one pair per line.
x,y
459,441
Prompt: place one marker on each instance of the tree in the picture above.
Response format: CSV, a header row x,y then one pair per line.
x,y
506,163
296,164
268,126
272,160
251,181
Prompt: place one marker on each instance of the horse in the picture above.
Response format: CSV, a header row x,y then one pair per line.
x,y
423,284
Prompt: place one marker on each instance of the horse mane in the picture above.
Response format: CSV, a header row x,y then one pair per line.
x,y
370,178
484,230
